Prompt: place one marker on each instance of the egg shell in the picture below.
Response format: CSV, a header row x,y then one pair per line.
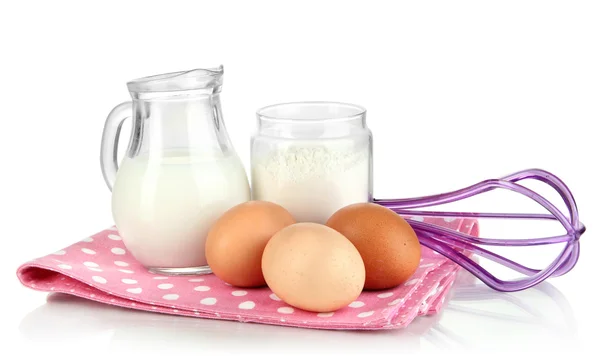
x,y
313,267
236,241
387,244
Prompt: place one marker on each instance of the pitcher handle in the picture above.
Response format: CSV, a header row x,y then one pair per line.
x,y
110,141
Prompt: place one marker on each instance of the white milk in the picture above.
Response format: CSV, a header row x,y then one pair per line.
x,y
164,205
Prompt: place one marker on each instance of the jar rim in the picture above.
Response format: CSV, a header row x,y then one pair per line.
x,y
311,112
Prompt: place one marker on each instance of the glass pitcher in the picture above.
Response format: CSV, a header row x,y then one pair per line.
x,y
180,171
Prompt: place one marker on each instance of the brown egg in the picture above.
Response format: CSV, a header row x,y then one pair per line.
x,y
313,267
387,244
236,241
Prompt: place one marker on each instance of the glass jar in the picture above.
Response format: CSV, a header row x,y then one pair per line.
x,y
312,158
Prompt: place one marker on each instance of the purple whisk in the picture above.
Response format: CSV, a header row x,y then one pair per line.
x,y
450,243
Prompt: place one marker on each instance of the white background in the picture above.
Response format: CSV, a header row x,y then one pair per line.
x,y
456,92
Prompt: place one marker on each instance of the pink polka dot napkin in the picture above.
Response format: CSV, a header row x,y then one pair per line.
x,y
99,268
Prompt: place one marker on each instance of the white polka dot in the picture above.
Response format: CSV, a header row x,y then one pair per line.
x,y
121,263
365,314
128,281
356,304
201,288
325,314
90,264
239,293
88,239
196,280
117,251
274,297
418,218
114,237
95,269
125,271
385,295
227,284
449,220
99,279
171,297
64,266
160,278
153,307
114,228
60,252
134,290
285,310
246,305
427,265
411,282
396,301
209,301
165,286
88,251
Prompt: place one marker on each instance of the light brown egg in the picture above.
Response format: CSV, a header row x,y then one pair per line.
x,y
236,241
387,244
313,267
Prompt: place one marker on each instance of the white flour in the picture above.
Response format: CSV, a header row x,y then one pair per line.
x,y
313,179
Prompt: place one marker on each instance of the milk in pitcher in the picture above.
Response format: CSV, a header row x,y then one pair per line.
x,y
164,204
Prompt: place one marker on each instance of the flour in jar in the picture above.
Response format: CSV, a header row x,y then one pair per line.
x,y
313,179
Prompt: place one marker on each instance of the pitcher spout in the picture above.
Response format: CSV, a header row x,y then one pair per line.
x,y
196,79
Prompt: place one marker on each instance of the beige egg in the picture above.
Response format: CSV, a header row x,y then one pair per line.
x,y
313,267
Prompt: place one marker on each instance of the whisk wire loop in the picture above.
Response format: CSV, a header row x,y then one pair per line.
x,y
458,246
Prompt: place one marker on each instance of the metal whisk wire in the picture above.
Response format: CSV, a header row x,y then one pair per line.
x,y
454,245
